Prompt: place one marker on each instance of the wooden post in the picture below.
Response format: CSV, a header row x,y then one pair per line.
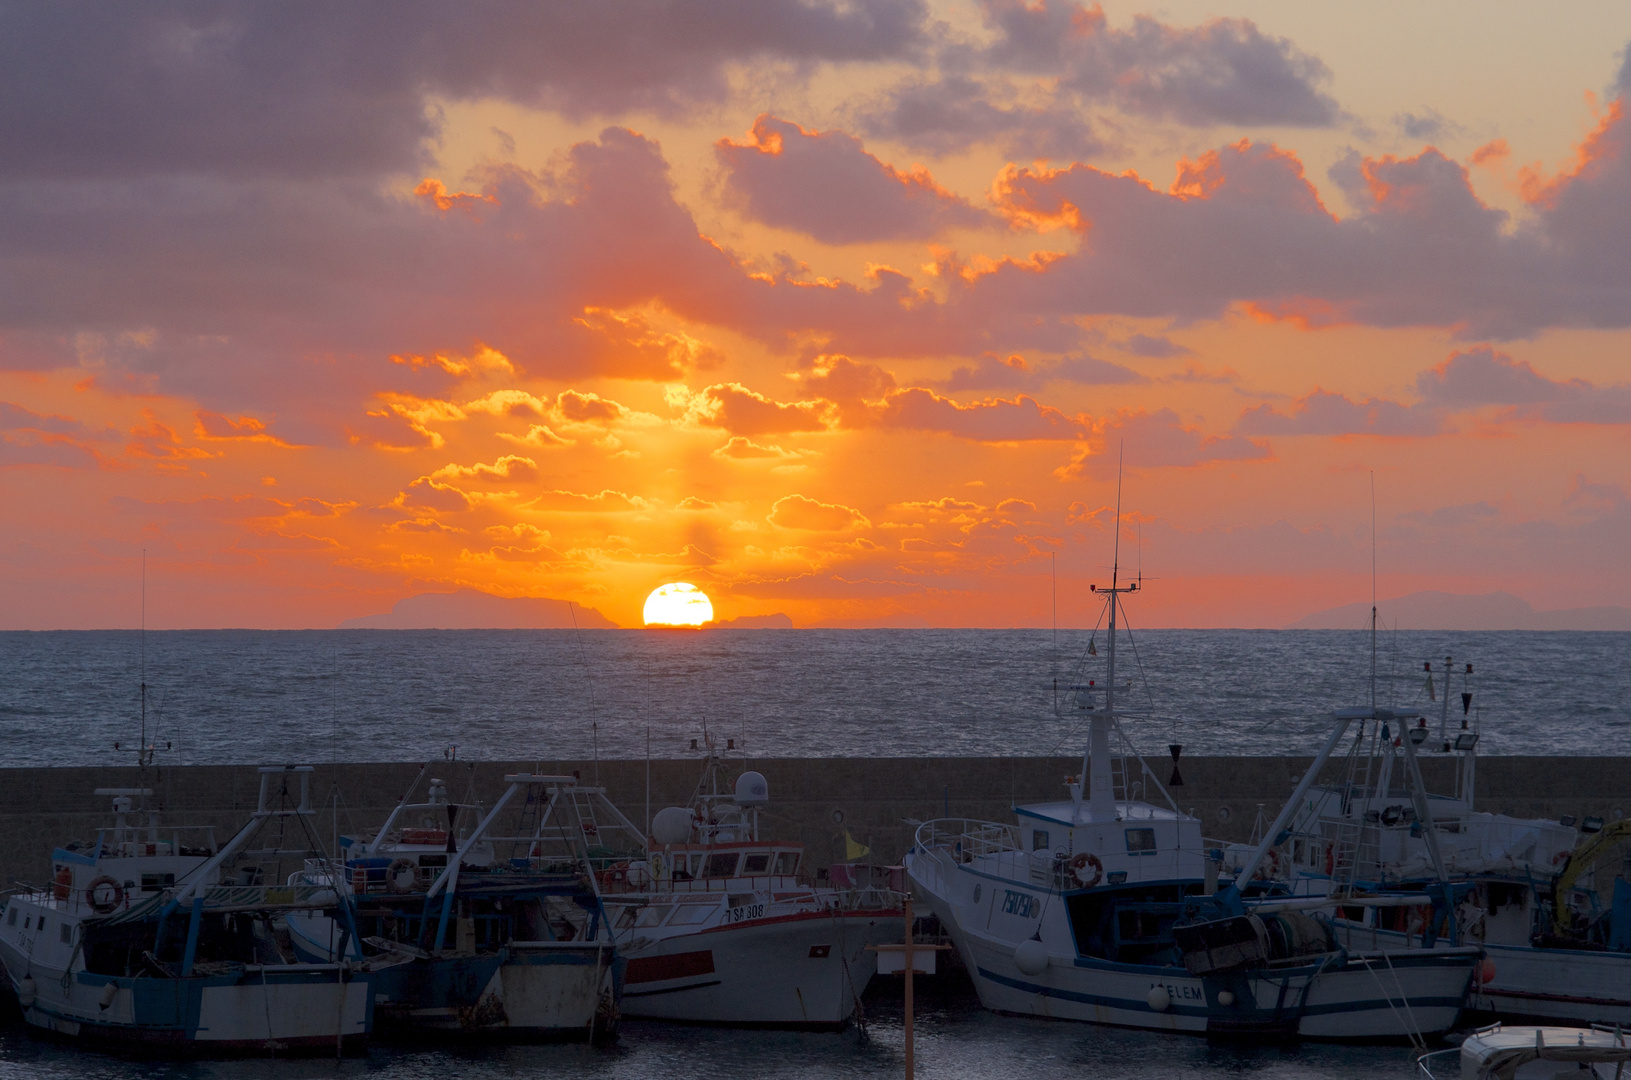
x,y
907,955
907,948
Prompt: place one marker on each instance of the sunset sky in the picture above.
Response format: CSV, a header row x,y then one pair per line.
x,y
843,310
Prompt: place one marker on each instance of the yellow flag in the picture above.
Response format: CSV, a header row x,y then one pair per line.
x,y
852,850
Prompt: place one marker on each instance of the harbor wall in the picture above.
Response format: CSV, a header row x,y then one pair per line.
x,y
814,801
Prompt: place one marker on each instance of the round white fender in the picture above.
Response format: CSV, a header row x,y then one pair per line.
x,y
25,992
1031,957
1159,999
1225,998
109,992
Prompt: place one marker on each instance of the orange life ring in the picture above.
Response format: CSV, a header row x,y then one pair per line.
x,y
1269,868
64,886
1083,862
105,894
401,877
1417,923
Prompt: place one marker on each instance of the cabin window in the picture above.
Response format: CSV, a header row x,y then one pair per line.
x,y
1039,839
625,918
11,917
26,919
155,882
755,864
41,927
787,863
691,914
651,916
722,864
66,934
1140,841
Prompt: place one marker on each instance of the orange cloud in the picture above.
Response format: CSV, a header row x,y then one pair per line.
x,y
215,426
739,410
508,467
812,515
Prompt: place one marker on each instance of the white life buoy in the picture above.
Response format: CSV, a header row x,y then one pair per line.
x,y
1087,868
105,894
401,876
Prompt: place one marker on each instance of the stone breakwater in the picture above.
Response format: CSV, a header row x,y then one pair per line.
x,y
813,800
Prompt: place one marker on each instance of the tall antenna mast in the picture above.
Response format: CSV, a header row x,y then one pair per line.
x,y
1373,591
141,748
1096,761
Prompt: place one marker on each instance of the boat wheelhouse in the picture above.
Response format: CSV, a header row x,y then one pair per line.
x,y
470,931
154,936
720,925
1547,902
1106,908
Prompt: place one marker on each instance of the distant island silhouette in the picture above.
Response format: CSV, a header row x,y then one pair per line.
x,y
1430,610
472,609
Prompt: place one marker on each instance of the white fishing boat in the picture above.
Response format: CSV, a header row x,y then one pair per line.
x,y
718,924
1501,1052
475,933
1524,890
151,936
1104,907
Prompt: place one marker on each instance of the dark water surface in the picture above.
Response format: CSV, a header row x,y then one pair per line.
x,y
225,696
956,1040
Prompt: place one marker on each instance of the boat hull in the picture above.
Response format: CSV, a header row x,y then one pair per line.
x,y
1379,998
1574,985
524,990
290,1009
803,971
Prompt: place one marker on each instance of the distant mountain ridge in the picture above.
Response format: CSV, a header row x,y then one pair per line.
x,y
472,609
1430,610
779,621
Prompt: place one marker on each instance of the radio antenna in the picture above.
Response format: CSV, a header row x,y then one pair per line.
x,y
1373,591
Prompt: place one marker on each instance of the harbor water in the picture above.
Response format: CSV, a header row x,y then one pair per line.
x,y
955,1040
255,696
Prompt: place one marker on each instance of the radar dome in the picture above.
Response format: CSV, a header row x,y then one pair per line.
x,y
752,790
671,825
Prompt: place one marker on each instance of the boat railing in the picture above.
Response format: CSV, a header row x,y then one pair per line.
x,y
1424,1063
967,838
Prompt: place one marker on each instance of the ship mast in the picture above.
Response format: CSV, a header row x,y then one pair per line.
x,y
1096,760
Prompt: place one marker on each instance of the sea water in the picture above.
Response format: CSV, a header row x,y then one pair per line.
x,y
390,695
955,1040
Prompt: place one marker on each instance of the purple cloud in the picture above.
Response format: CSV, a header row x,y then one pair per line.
x,y
313,89
826,185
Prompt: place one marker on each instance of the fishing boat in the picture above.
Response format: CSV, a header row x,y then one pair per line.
x,y
475,933
1105,907
1501,1052
1525,890
718,924
152,936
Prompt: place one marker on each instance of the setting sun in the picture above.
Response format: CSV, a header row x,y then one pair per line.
x,y
678,604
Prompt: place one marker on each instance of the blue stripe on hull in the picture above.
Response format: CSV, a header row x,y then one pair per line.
x,y
1143,1006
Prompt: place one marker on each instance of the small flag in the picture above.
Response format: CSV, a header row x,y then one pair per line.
x,y
1432,694
1092,647
853,850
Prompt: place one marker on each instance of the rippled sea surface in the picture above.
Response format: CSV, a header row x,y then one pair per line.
x,y
955,1040
383,695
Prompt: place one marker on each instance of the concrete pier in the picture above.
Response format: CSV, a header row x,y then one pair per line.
x,y
813,800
